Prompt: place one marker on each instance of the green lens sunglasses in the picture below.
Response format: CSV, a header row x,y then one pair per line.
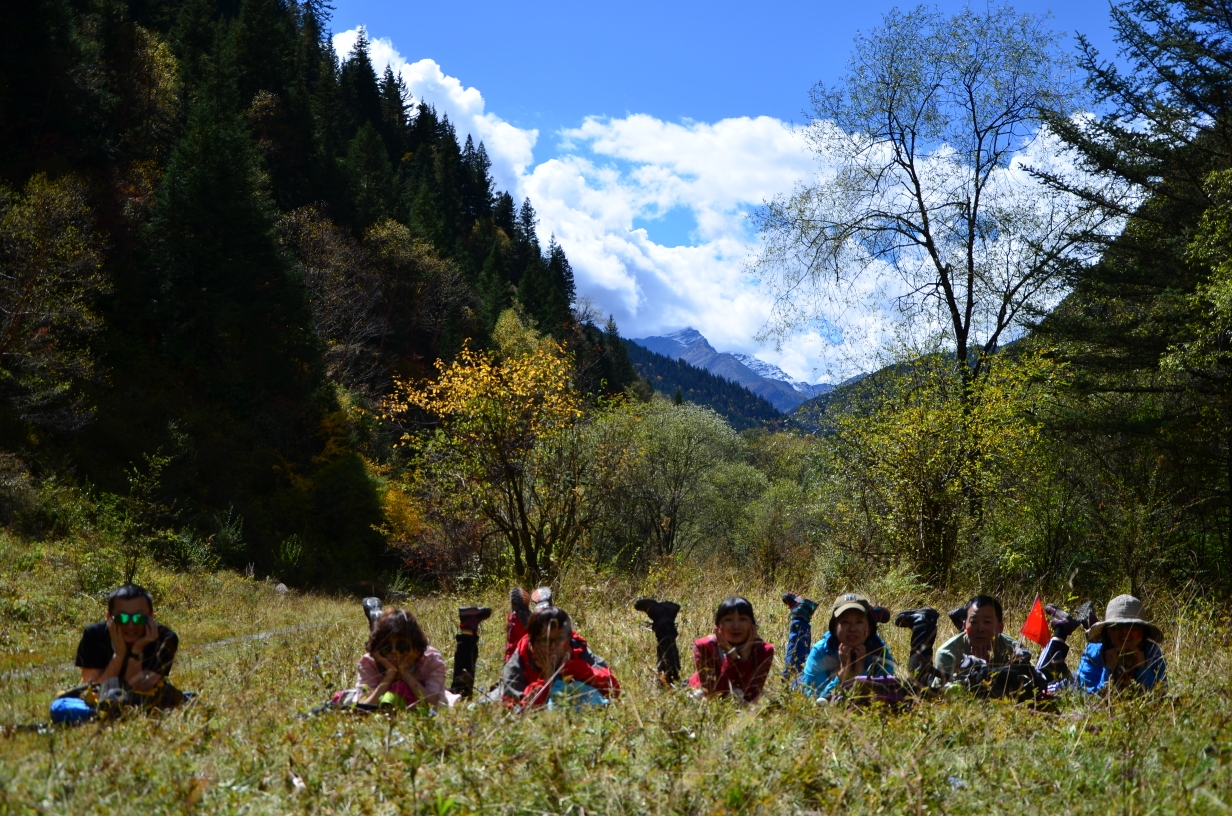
x,y
135,618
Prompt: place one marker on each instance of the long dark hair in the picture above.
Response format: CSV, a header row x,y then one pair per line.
x,y
397,623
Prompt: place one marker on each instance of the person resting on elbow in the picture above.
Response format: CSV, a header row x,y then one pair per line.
x,y
851,648
982,638
551,664
1124,650
124,661
400,668
734,661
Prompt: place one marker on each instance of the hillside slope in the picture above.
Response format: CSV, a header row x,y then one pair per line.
x,y
742,408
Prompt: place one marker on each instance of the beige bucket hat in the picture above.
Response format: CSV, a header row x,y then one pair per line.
x,y
1124,610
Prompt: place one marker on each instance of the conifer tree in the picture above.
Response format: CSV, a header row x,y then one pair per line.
x,y
262,49
317,70
427,220
619,370
424,130
370,177
524,228
504,215
359,86
564,291
228,299
535,292
394,121
234,327
476,181
494,288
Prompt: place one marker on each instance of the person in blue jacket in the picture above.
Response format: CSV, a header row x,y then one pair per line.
x,y
1124,650
849,649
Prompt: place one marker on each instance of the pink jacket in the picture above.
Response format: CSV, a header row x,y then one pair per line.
x,y
429,670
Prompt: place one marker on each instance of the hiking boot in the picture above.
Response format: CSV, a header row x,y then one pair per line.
x,y
372,610
1063,624
959,616
659,612
541,598
469,617
1085,615
662,616
923,625
879,614
801,607
519,601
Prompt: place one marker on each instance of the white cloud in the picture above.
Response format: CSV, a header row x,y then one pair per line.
x,y
609,173
509,147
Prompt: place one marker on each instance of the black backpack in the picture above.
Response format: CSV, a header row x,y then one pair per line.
x,y
1019,681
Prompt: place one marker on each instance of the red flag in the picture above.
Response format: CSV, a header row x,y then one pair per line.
x,y
1036,626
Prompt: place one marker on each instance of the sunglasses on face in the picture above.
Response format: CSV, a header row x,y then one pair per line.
x,y
134,618
399,646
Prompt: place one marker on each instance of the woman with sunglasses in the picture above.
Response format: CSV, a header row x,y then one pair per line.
x,y
400,668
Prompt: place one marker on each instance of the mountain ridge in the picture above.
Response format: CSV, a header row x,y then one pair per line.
x,y
764,379
671,375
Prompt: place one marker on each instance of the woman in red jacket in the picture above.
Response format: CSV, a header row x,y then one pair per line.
x,y
734,660
551,662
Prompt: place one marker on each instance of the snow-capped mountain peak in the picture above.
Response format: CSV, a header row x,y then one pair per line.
x,y
773,372
764,379
688,337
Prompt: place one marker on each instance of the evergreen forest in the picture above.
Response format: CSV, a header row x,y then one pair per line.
x,y
221,247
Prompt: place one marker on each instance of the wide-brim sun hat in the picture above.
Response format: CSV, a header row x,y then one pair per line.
x,y
1124,610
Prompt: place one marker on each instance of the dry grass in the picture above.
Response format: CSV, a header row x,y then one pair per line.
x,y
242,747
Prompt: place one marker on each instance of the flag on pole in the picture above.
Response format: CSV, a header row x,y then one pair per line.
x,y
1036,626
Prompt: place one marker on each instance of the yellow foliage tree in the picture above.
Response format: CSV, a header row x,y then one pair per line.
x,y
505,446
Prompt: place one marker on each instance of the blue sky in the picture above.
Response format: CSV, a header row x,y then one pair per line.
x,y
644,132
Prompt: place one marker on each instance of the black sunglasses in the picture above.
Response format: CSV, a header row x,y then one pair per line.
x,y
135,618
399,646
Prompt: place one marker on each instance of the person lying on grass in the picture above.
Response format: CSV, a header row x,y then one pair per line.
x,y
1124,650
124,660
521,604
400,668
734,660
983,638
850,648
552,664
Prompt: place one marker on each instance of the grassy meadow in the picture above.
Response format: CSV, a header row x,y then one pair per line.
x,y
244,748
